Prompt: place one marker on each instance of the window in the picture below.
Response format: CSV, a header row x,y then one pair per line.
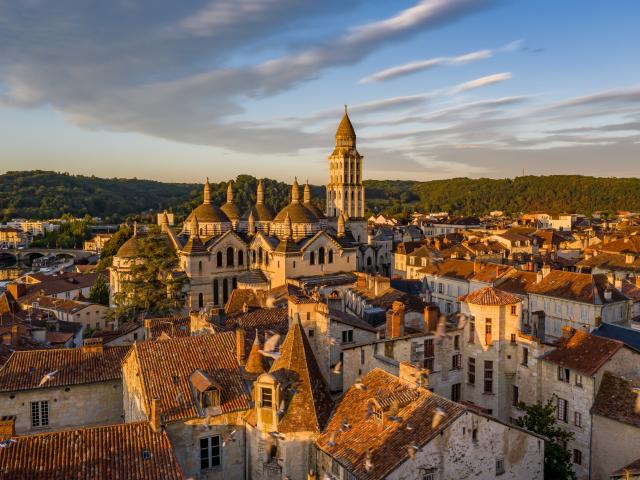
x,y
514,310
499,466
200,300
240,257
525,356
561,412
471,371
311,333
513,339
488,376
429,354
577,419
347,336
563,374
216,299
440,288
330,256
210,398
40,414
429,474
515,395
474,435
266,398
200,267
209,452
577,456
487,331
472,330
362,357
455,392
321,256
219,259
456,342
456,362
579,381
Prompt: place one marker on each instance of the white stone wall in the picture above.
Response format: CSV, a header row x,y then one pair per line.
x,y
615,445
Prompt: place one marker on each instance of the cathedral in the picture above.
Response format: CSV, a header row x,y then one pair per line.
x,y
222,248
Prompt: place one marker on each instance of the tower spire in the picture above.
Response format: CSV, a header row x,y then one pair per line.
x,y
295,191
307,193
230,192
207,192
260,193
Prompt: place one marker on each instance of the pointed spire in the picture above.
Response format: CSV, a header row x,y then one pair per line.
x,y
345,135
230,192
295,191
164,220
251,223
307,193
255,362
340,225
135,229
195,227
207,192
288,227
260,193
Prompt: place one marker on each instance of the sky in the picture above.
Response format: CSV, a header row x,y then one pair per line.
x,y
177,91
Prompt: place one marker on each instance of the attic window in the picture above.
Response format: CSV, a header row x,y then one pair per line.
x,y
207,390
266,397
210,398
146,455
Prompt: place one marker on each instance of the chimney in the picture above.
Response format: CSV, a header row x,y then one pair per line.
x,y
567,332
147,328
629,258
15,335
476,266
395,321
617,283
381,285
93,345
17,290
240,346
154,418
546,270
7,427
431,313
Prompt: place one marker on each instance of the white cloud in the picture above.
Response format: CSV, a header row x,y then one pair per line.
x,y
481,82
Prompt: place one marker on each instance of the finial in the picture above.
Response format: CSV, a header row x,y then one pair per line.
x,y
195,227
260,193
307,193
207,192
295,191
230,192
251,223
288,226
345,108
135,229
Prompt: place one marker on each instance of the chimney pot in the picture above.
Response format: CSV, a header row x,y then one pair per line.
x,y
7,427
154,419
240,346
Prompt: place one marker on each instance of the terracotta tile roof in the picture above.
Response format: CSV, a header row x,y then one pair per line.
x,y
517,281
489,296
276,319
631,290
165,368
630,244
350,320
129,450
387,441
75,366
385,300
610,261
172,326
583,352
310,405
70,307
632,469
124,329
616,399
466,270
64,282
239,297
580,287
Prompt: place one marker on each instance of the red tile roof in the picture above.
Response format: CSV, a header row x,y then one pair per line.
x,y
165,368
310,405
386,441
583,352
125,451
25,369
579,287
518,281
490,296
172,326
616,399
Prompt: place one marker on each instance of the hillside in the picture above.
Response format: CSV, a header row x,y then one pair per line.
x,y
40,194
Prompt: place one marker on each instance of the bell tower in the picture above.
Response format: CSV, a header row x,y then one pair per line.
x,y
345,191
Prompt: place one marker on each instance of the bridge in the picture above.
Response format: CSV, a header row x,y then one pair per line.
x,y
26,256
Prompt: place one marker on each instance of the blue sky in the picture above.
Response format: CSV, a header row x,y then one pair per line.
x,y
178,91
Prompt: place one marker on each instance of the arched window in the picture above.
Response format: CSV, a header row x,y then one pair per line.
x,y
200,300
368,261
294,264
234,283
312,258
259,254
253,255
330,256
200,267
266,259
320,255
216,295
219,259
240,257
225,291
230,257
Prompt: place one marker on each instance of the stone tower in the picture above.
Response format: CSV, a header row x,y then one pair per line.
x,y
345,191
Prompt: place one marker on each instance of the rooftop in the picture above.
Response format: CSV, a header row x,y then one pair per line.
x,y
616,399
490,296
583,352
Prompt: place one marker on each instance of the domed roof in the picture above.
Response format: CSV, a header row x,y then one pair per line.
x,y
129,249
298,214
231,210
345,129
315,210
261,213
207,213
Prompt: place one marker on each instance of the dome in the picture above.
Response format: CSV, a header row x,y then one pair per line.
x,y
261,213
231,210
298,214
207,213
129,249
313,209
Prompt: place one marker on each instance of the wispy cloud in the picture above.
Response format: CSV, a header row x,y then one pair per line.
x,y
481,82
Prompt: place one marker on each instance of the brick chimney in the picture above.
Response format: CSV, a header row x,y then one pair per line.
x,y
431,313
7,426
395,321
154,417
381,285
567,332
240,346
92,345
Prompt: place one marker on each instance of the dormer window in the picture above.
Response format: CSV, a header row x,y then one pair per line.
x,y
210,398
266,397
208,392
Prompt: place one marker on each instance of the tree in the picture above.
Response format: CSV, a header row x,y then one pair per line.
x,y
112,246
540,418
150,286
99,292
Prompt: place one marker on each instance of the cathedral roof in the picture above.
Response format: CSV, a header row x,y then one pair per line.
x,y
129,249
208,213
313,209
231,210
309,404
345,129
288,245
298,214
194,246
261,213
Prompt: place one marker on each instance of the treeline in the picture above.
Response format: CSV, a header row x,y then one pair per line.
x,y
39,194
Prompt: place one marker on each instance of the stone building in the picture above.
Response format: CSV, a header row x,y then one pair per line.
x,y
84,387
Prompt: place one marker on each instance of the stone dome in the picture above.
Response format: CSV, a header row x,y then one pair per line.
x,y
298,214
129,249
207,213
